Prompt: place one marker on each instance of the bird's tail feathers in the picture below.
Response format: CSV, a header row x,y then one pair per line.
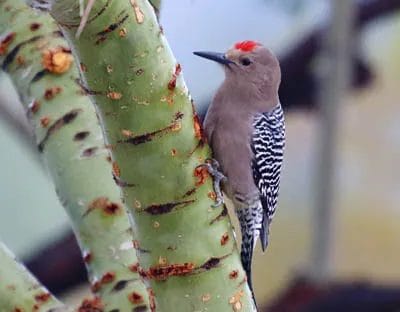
x,y
246,254
264,232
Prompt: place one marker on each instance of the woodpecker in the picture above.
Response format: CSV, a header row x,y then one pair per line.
x,y
245,127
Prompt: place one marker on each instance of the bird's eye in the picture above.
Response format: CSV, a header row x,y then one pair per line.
x,y
245,61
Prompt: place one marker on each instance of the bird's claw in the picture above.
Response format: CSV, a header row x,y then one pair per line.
x,y
212,167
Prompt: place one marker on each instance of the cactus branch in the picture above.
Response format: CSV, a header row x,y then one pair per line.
x,y
37,58
19,290
186,248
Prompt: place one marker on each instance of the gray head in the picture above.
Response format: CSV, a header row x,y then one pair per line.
x,y
250,68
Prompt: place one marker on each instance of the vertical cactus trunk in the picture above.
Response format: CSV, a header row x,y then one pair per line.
x,y
19,290
39,62
186,248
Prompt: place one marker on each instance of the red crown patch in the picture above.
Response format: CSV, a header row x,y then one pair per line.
x,y
246,46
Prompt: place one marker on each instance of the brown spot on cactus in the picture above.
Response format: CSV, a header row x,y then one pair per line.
x,y
122,32
5,42
235,300
134,267
212,195
57,60
135,298
34,26
206,297
103,203
139,72
210,263
127,133
108,277
20,60
17,309
50,93
234,274
147,137
198,130
162,260
89,152
138,12
137,204
224,239
42,297
176,126
120,285
45,121
34,106
80,136
174,152
95,287
102,35
190,192
172,82
157,209
163,272
57,125
201,174
91,305
109,69
115,169
114,95
112,208
156,224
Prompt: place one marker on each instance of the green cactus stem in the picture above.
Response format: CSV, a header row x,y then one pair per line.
x,y
37,58
19,290
186,248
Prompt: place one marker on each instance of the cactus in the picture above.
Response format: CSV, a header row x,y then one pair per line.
x,y
19,290
186,248
39,62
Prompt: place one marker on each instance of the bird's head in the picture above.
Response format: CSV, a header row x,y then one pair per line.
x,y
248,63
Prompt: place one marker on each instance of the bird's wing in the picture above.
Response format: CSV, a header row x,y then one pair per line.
x,y
267,145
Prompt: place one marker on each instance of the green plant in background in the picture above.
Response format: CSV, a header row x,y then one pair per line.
x,y
68,134
186,248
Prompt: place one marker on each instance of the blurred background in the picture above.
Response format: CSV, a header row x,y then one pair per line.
x,y
335,239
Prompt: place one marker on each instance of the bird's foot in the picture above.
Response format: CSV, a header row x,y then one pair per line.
x,y
212,167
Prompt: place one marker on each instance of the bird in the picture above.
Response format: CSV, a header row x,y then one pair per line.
x,y
245,128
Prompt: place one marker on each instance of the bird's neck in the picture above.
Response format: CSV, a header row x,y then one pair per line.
x,y
248,97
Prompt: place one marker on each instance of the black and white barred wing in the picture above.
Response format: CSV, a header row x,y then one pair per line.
x,y
268,144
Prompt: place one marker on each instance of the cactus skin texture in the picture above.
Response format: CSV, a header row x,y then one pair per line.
x,y
37,58
19,290
186,248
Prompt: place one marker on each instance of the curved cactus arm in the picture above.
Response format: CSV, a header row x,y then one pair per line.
x,y
39,62
187,249
19,290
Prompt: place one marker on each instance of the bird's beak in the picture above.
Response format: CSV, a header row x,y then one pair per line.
x,y
215,56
